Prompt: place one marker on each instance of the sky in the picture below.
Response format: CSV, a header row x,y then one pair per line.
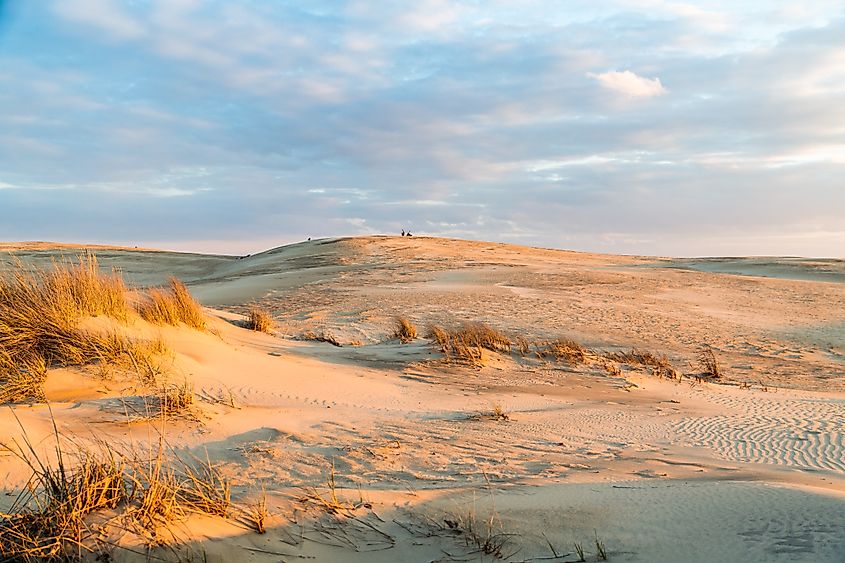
x,y
641,127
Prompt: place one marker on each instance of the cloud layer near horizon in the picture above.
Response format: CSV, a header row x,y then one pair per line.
x,y
649,127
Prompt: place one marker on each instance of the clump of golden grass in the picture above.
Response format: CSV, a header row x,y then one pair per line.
x,y
75,289
659,364
466,344
483,336
40,315
54,516
565,349
405,331
172,305
709,364
259,320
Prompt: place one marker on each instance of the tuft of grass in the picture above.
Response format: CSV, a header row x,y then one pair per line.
x,y
175,399
405,330
256,515
172,305
709,364
55,516
659,364
50,523
466,344
204,489
440,337
40,315
499,413
567,350
260,320
154,485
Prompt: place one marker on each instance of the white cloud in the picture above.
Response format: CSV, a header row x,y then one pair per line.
x,y
630,84
102,14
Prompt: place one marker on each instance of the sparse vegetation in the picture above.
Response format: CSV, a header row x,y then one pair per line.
x,y
330,502
467,343
612,368
523,346
175,399
259,320
440,337
659,364
499,413
55,516
172,305
709,364
256,515
405,331
567,350
484,536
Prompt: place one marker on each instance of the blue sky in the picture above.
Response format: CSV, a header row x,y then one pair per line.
x,y
651,126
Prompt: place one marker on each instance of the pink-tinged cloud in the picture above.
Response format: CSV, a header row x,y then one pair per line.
x,y
630,84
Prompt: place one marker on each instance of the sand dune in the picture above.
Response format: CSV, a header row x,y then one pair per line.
x,y
748,469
